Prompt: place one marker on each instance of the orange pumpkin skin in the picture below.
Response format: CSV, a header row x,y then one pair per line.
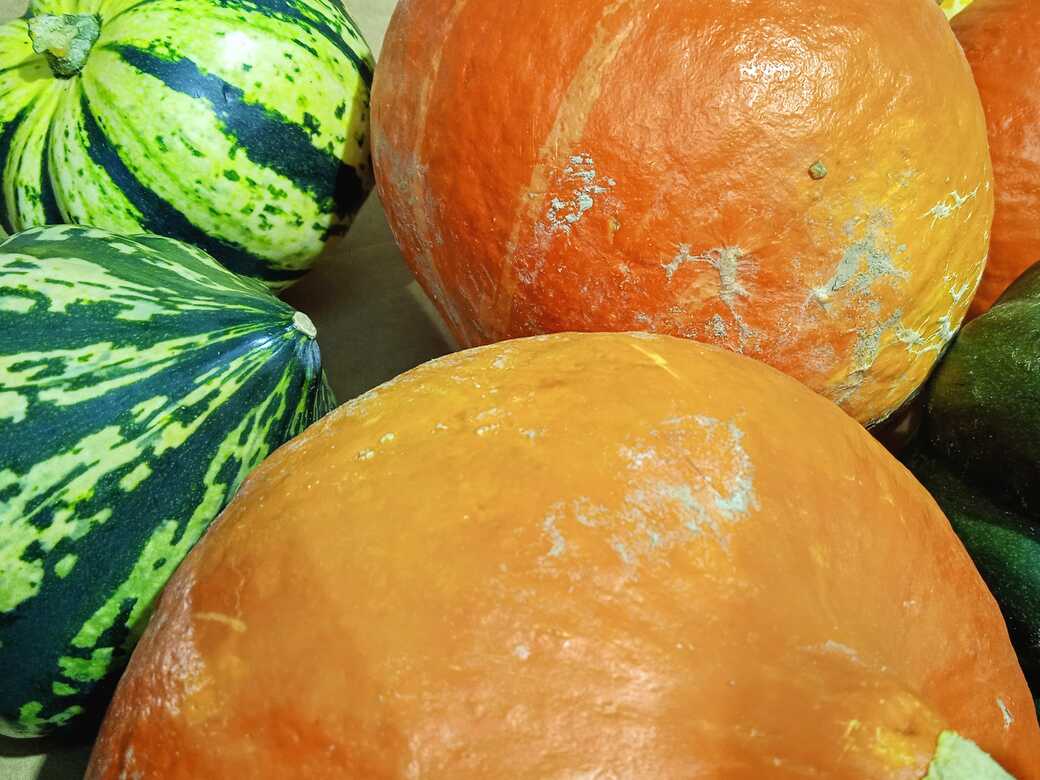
x,y
628,165
574,556
1001,39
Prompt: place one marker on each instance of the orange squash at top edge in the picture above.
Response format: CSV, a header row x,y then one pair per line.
x,y
1001,39
586,556
803,181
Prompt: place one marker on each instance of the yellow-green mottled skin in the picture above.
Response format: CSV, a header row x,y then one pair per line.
x,y
954,7
957,758
240,126
142,382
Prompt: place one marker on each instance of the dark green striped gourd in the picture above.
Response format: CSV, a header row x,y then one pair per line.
x,y
979,455
140,382
240,126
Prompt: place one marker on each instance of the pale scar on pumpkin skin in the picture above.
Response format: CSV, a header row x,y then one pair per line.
x,y
669,505
727,261
949,205
865,263
645,336
656,359
943,330
1005,713
582,94
830,646
865,354
218,617
567,211
862,264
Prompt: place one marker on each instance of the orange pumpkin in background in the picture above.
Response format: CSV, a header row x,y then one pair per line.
x,y
575,556
806,182
1001,39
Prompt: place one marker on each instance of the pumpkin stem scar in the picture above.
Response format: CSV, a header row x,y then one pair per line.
x,y
957,758
817,170
218,617
66,39
303,324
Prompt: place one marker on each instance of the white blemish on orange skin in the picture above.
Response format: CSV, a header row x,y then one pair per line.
x,y
656,359
862,263
944,329
727,262
957,293
638,458
582,93
1009,719
837,648
218,617
952,203
865,353
666,491
559,543
566,212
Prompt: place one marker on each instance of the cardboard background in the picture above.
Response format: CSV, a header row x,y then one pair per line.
x,y
373,323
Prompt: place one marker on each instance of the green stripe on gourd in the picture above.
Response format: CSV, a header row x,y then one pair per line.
x,y
141,383
238,126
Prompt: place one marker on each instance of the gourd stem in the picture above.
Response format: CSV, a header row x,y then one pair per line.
x,y
65,39
958,758
303,324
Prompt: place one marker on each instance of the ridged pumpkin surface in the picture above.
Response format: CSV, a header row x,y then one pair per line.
x,y
1001,39
578,556
803,181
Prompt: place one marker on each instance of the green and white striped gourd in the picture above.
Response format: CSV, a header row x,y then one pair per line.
x,y
140,382
240,126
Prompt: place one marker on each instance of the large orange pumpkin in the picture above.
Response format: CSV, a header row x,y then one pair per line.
x,y
575,556
803,181
1001,39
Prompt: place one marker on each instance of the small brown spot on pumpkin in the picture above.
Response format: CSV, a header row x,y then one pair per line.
x,y
817,170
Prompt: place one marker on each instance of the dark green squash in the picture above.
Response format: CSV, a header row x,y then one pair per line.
x,y
1005,546
979,454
